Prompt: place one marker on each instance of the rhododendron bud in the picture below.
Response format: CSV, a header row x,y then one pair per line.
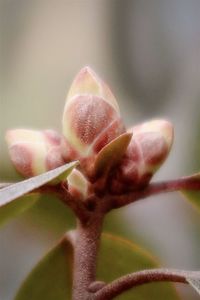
x,y
147,150
91,117
88,82
78,186
34,152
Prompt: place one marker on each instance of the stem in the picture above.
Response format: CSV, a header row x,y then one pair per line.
x,y
185,183
85,256
129,281
76,205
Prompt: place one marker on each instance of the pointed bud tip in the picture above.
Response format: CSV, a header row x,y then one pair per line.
x,y
87,82
84,75
87,70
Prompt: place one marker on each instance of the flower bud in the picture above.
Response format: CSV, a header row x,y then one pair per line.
x,y
149,147
87,82
91,117
34,152
78,186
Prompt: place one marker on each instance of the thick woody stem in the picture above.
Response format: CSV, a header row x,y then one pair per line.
x,y
129,281
85,256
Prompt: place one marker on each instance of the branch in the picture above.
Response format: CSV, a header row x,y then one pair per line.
x,y
129,281
184,183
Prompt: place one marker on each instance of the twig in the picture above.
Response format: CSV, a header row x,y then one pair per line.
x,y
129,281
185,183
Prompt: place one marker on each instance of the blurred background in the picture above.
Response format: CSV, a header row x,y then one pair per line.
x,y
149,53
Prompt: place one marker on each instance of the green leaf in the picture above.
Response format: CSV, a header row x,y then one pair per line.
x,y
46,212
51,279
119,257
49,214
12,199
19,189
17,207
195,283
111,154
193,195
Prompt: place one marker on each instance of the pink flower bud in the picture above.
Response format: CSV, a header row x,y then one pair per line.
x,y
149,147
34,152
91,117
78,186
87,82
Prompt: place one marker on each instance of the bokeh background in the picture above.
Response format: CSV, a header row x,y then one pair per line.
x,y
149,53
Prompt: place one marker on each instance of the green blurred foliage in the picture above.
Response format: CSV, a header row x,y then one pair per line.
x,y
51,279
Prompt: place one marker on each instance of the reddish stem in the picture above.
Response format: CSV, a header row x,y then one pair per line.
x,y
129,281
185,183
76,205
85,256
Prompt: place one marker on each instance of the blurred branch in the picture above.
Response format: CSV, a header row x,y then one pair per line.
x,y
131,280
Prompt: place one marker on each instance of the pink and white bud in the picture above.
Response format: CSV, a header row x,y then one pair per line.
x,y
149,147
87,82
91,117
34,152
78,186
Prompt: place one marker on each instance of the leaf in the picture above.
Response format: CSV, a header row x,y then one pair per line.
x,y
19,189
195,283
111,154
17,207
44,210
51,279
194,195
119,257
49,214
12,200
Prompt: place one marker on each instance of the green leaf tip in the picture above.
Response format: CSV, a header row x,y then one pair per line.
x,y
112,153
21,188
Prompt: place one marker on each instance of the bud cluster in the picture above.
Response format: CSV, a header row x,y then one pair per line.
x,y
94,134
